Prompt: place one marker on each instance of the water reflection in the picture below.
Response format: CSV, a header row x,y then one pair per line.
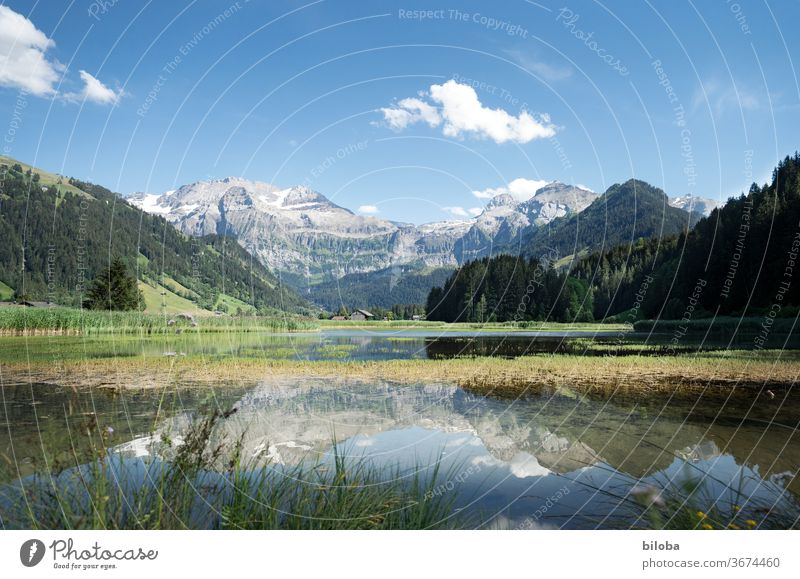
x,y
506,459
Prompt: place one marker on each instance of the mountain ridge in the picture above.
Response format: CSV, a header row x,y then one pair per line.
x,y
299,231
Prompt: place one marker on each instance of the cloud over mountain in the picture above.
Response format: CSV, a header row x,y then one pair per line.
x,y
521,189
457,108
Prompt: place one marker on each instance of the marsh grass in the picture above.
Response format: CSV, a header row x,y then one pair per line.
x,y
71,321
528,326
732,373
206,482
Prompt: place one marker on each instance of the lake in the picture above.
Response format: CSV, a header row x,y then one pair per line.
x,y
367,345
554,459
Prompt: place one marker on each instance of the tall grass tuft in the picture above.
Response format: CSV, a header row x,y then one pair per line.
x,y
720,326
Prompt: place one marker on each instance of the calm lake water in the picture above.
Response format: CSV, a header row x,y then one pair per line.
x,y
551,460
359,344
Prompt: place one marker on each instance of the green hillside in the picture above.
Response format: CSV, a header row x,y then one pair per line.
x,y
58,233
740,260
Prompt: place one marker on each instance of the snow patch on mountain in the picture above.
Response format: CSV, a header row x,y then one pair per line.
x,y
149,203
690,203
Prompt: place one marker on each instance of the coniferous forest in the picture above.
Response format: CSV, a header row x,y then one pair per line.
x,y
740,260
58,238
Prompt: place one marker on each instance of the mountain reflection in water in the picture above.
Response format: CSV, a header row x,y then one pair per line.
x,y
504,458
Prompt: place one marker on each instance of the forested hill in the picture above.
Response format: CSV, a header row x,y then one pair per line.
x,y
506,288
59,233
744,257
408,284
743,260
624,213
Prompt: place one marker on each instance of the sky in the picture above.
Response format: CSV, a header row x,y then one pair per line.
x,y
412,111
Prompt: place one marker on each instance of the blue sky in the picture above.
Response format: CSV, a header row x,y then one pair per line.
x,y
418,111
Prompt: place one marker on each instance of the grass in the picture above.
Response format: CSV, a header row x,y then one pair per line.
x,y
6,292
178,288
731,373
66,321
169,303
207,483
46,179
231,304
199,479
721,325
487,327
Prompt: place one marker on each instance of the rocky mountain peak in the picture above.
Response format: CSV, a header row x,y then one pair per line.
x,y
692,203
300,232
502,200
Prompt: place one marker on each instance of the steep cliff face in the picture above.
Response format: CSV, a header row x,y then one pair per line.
x,y
299,231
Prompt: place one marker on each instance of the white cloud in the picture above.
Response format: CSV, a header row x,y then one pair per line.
x,y
489,193
475,211
457,211
460,111
95,91
368,209
409,111
521,188
23,62
463,113
524,189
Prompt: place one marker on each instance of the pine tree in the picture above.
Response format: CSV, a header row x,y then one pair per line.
x,y
114,289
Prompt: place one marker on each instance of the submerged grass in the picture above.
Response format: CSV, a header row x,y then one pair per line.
x,y
201,480
66,321
206,483
702,502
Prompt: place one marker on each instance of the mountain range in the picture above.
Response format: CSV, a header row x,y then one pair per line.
x,y
234,243
333,255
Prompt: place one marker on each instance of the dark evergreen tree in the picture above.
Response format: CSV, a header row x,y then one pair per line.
x,y
743,258
114,289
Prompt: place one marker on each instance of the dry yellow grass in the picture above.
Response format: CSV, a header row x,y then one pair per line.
x,y
737,372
